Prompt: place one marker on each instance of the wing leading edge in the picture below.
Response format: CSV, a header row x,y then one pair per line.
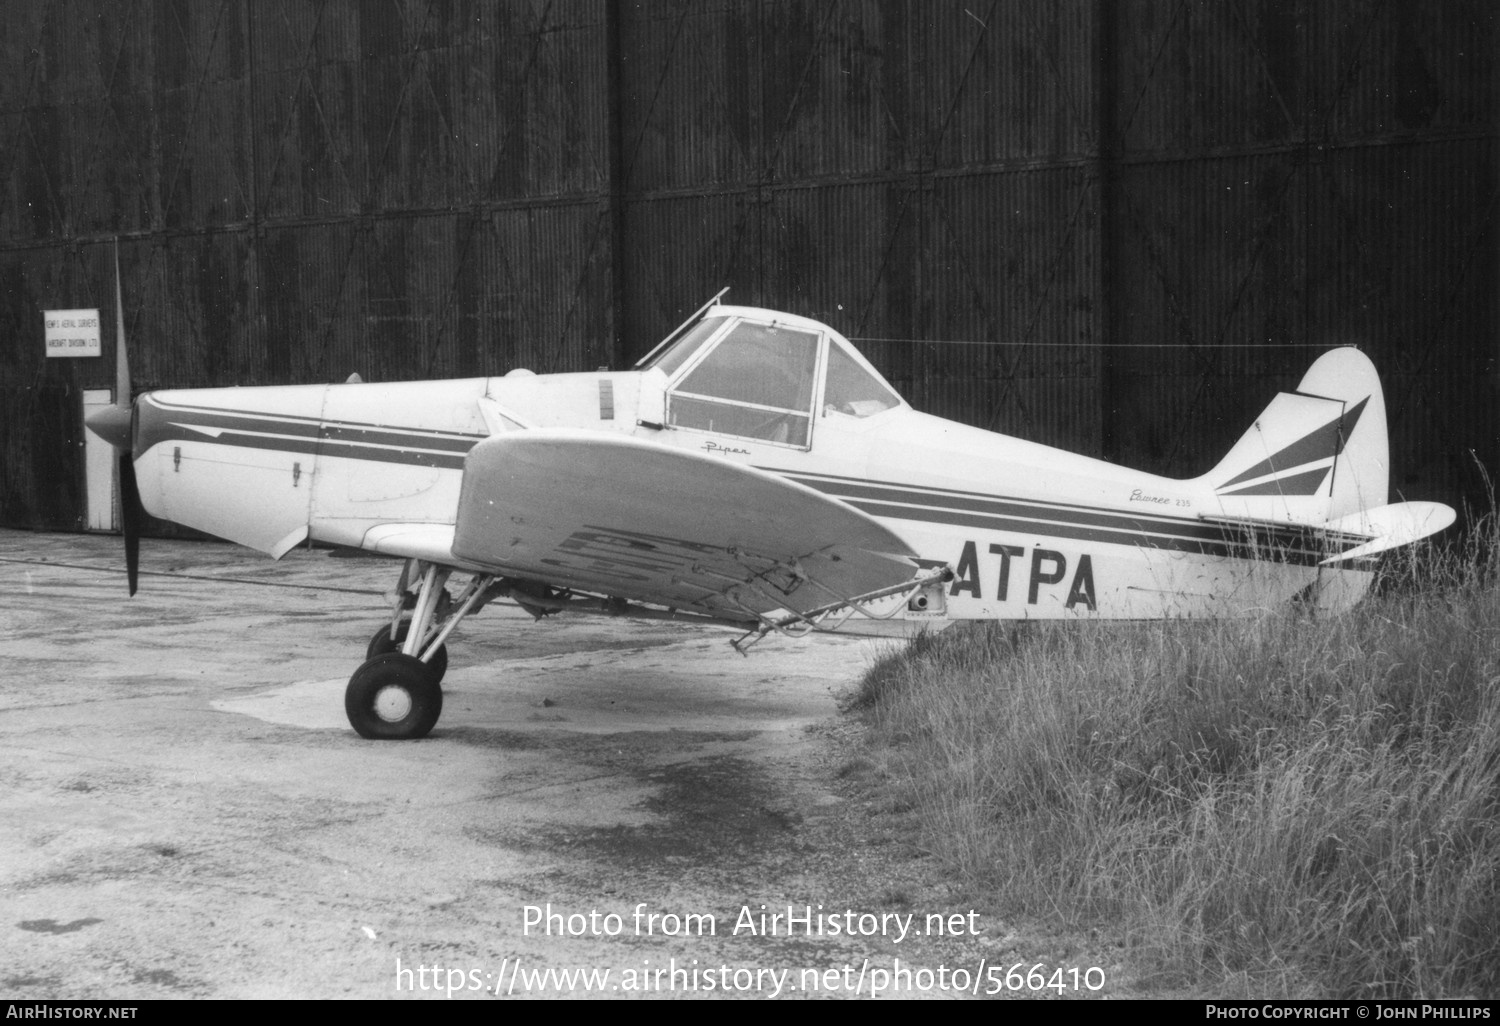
x,y
623,517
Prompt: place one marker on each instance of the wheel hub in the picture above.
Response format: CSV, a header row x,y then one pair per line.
x,y
392,703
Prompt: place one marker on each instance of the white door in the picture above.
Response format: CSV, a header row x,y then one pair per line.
x,y
99,465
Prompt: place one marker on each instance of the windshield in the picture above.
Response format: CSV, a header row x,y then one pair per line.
x,y
757,382
687,345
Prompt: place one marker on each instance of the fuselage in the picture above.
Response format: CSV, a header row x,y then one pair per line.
x,y
1029,530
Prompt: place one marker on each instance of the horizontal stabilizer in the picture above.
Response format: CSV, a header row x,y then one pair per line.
x,y
1389,527
1252,523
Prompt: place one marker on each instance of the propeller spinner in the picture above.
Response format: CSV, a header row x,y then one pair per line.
x,y
115,426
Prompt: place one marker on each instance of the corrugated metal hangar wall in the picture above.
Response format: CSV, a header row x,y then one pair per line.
x,y
1111,225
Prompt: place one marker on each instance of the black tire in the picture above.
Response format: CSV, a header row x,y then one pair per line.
x,y
382,643
393,697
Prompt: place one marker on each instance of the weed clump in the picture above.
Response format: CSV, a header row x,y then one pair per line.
x,y
1308,806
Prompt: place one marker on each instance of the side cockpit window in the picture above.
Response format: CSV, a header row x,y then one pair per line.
x,y
853,390
757,382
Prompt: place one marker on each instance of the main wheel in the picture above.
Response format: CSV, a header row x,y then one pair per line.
x,y
382,642
393,697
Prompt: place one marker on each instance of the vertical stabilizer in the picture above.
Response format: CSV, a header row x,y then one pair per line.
x,y
1314,455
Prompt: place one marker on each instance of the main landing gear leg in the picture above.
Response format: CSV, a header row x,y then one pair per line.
x,y
396,694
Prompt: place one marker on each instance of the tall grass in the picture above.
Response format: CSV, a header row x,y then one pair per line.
x,y
1281,805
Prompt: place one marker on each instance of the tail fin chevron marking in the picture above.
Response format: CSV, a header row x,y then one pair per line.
x,y
1323,443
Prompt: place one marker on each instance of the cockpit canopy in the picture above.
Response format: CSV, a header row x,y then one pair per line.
x,y
758,374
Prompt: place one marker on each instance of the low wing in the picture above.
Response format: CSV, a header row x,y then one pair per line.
x,y
623,517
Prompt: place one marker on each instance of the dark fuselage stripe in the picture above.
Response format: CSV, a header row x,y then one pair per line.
x,y
287,423
1298,544
324,447
1219,547
159,422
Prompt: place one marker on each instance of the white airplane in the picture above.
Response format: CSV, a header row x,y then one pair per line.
x,y
753,470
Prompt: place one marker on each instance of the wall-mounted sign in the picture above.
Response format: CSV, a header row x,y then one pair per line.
x,y
72,332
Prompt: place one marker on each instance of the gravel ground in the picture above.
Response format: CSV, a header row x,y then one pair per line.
x,y
186,812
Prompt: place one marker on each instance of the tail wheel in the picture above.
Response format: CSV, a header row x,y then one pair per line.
x,y
382,643
393,697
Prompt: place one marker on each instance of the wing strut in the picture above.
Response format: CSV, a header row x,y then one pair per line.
x,y
795,625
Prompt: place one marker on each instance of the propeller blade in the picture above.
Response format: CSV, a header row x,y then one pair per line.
x,y
132,513
122,358
113,423
116,427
